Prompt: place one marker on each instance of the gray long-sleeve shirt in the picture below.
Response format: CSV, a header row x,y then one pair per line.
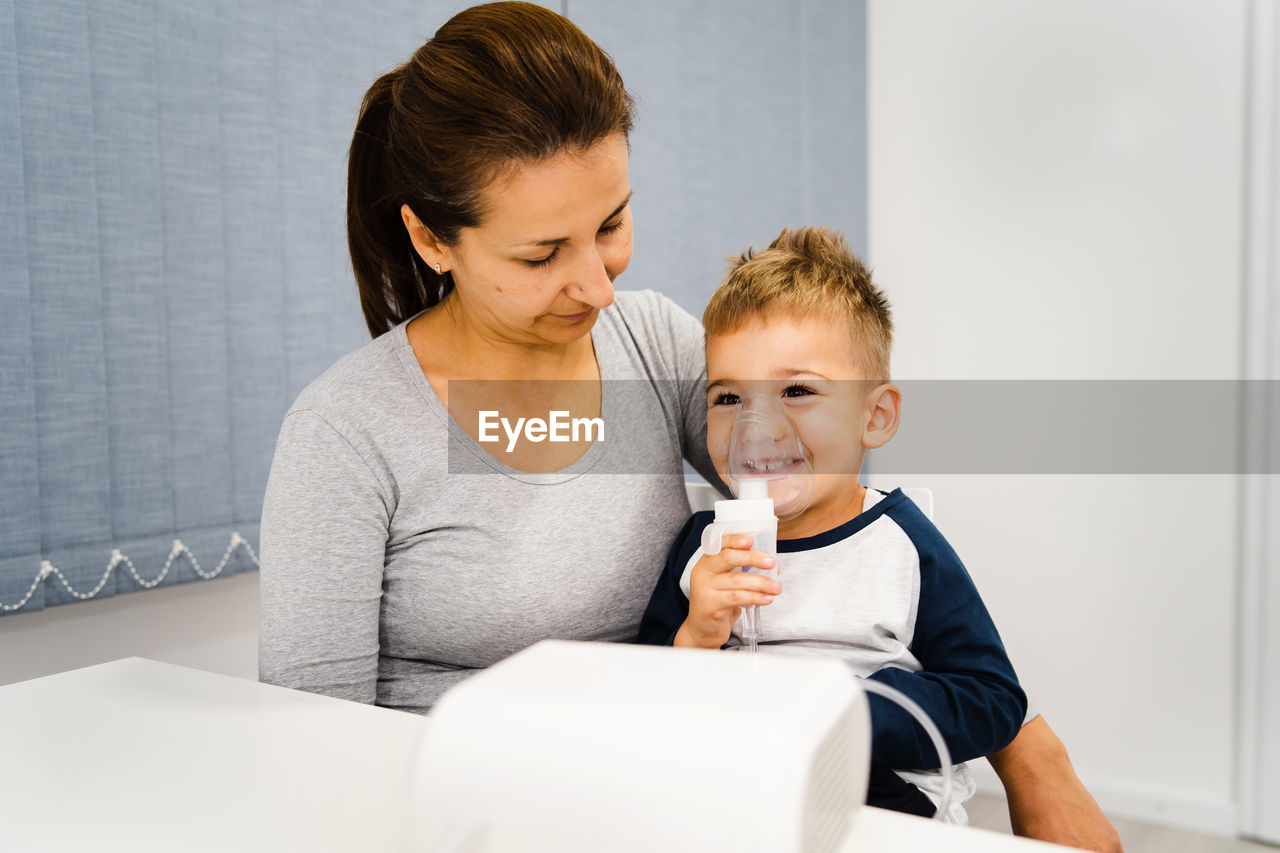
x,y
399,556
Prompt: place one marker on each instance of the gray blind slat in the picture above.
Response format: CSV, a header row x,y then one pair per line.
x,y
20,495
192,195
63,259
254,305
307,74
131,235
833,71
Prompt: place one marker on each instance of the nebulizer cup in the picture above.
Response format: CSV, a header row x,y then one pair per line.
x,y
771,479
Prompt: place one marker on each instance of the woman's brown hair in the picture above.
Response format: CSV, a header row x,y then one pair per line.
x,y
499,84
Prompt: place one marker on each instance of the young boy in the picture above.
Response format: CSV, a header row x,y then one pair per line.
x,y
863,575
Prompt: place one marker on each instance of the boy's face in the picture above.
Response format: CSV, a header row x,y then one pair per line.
x,y
809,363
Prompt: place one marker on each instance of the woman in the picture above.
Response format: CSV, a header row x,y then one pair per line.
x,y
488,216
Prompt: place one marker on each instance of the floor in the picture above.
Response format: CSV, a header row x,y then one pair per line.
x,y
990,813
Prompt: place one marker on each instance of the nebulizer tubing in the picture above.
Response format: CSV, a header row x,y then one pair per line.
x,y
908,704
756,489
751,627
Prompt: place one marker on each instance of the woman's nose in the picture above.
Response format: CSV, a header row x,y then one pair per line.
x,y
592,283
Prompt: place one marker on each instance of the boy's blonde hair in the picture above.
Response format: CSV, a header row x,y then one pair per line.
x,y
806,272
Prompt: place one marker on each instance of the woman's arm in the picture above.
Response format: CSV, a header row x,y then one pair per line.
x,y
668,606
323,544
679,342
1046,799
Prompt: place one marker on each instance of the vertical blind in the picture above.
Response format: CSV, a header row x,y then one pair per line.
x,y
174,271
173,263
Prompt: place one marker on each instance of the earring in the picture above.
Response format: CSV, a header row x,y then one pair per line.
x,y
438,269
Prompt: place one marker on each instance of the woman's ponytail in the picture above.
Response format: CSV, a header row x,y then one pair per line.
x,y
388,270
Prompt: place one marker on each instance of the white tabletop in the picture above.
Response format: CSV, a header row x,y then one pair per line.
x,y
138,755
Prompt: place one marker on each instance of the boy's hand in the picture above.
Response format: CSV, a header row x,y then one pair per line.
x,y
718,588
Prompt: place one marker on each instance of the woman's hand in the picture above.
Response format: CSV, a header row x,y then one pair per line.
x,y
1047,801
718,588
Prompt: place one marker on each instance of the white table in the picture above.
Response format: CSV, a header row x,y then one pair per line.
x,y
136,755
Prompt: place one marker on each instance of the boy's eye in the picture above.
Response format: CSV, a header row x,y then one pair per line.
x,y
798,391
542,262
724,398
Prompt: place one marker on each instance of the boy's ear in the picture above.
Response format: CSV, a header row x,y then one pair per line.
x,y
884,408
431,250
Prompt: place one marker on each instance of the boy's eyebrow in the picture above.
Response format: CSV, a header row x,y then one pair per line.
x,y
781,373
788,372
556,241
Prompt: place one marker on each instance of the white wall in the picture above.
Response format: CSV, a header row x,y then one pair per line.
x,y
209,625
1056,193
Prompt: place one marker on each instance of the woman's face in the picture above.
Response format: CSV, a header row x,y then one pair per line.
x,y
553,236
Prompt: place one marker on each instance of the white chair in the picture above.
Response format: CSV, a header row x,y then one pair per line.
x,y
922,498
703,496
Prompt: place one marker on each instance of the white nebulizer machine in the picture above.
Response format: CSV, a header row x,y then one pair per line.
x,y
610,747
771,479
572,746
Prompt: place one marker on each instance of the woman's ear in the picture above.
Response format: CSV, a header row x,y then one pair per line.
x,y
431,250
884,408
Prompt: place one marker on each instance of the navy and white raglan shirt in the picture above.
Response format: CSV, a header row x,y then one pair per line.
x,y
885,593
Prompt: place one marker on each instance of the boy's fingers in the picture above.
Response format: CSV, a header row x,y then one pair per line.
x,y
732,558
744,597
748,581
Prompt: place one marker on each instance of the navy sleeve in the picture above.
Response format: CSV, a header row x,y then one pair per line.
x,y
668,606
967,685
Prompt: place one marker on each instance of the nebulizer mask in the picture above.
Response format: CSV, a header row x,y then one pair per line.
x,y
771,479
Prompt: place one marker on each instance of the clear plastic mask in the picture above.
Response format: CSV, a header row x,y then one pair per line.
x,y
765,453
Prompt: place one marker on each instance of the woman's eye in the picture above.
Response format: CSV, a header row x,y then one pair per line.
x,y
724,398
609,229
798,391
542,262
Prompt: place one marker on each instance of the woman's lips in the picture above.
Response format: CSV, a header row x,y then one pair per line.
x,y
575,318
